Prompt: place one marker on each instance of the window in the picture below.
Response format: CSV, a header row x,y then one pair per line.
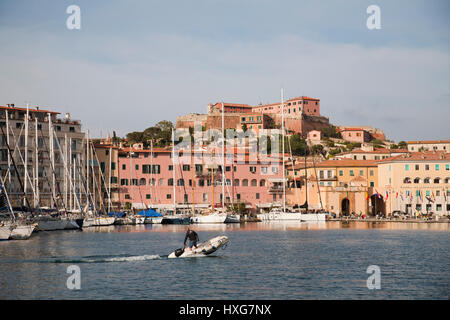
x,y
168,196
253,169
113,179
428,193
142,182
113,166
406,167
123,182
417,180
186,167
263,169
371,172
437,180
254,183
351,173
417,167
361,172
136,167
227,168
245,183
124,167
426,180
274,169
262,183
257,196
372,184
447,167
201,183
438,207
148,196
427,167
170,182
170,167
407,180
236,182
161,182
127,196
238,196
72,129
198,168
180,182
341,173
436,167
134,182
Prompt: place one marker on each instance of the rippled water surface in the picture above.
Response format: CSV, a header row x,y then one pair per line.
x,y
262,261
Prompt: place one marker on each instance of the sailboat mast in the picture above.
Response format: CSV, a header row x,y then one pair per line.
x,y
52,159
131,181
25,183
223,158
9,153
36,161
151,173
109,180
282,144
173,174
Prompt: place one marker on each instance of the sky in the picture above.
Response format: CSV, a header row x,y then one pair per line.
x,y
134,63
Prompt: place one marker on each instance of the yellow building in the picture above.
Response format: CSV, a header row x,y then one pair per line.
x,y
418,182
339,186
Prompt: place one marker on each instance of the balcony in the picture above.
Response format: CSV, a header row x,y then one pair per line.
x,y
275,190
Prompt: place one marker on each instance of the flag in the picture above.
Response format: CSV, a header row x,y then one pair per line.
x,y
401,196
387,195
396,195
367,196
378,195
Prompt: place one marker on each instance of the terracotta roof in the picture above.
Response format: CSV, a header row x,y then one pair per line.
x,y
29,109
303,98
352,129
419,156
347,163
377,151
428,141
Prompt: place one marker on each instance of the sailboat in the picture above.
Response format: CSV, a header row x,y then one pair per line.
x,y
282,214
174,218
212,215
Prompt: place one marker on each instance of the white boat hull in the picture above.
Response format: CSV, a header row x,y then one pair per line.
x,y
209,218
153,220
5,232
291,216
138,220
22,232
203,249
98,221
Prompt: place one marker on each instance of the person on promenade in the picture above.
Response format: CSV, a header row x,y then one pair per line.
x,y
193,238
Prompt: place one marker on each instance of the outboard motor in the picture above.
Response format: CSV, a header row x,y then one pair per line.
x,y
179,252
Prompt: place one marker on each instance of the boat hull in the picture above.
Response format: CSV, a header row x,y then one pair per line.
x,y
22,232
52,224
138,220
5,232
291,216
210,218
153,220
233,218
175,220
203,249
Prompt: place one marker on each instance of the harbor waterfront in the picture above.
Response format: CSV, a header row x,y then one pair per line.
x,y
266,260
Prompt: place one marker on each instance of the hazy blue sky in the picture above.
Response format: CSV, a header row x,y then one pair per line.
x,y
134,63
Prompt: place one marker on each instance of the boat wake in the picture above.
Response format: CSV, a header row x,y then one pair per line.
x,y
101,259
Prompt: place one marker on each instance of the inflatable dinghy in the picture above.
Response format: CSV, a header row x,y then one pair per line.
x,y
203,249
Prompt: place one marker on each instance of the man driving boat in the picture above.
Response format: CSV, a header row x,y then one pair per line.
x,y
193,238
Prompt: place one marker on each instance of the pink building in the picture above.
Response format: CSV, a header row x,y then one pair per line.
x,y
295,106
355,135
255,184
